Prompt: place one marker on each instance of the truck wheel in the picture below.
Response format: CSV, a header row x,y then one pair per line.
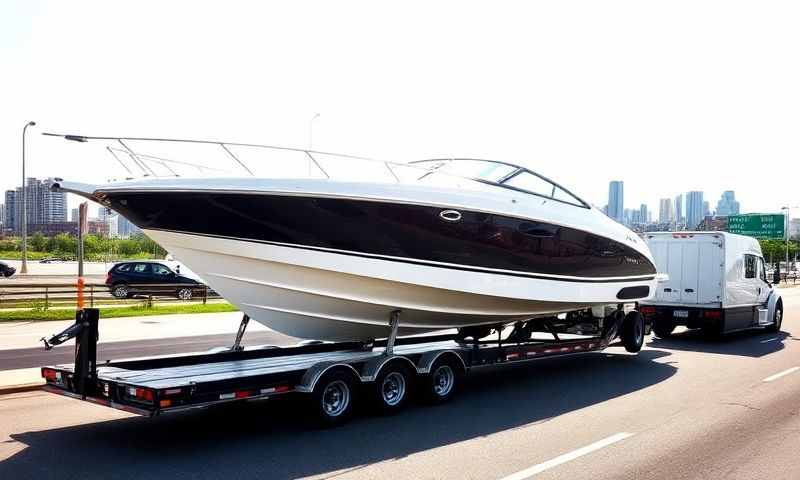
x,y
777,318
663,327
440,385
392,388
633,331
333,398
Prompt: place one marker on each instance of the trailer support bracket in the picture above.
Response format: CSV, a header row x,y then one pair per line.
x,y
237,343
394,322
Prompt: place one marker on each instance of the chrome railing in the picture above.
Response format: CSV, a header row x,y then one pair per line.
x,y
139,163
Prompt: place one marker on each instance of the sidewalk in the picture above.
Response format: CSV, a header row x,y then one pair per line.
x,y
28,335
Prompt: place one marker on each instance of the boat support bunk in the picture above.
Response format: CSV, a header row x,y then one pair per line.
x,y
331,375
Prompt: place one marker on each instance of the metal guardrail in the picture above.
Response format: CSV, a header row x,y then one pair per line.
x,y
55,295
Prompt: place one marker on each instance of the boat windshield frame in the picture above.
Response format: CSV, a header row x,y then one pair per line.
x,y
501,182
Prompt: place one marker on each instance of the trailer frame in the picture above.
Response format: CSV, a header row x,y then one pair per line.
x,y
152,386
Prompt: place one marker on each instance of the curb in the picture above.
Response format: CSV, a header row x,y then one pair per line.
x,y
26,387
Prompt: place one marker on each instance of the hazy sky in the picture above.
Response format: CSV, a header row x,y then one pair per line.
x,y
667,96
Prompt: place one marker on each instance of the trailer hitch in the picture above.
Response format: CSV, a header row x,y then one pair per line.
x,y
86,334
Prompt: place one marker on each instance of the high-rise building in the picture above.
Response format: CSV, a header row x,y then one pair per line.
x,y
644,216
616,200
706,209
727,204
665,212
2,216
10,217
104,214
125,228
43,205
627,216
794,228
680,216
694,209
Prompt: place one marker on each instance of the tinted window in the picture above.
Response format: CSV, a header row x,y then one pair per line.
x,y
159,269
762,271
123,268
142,268
749,266
531,183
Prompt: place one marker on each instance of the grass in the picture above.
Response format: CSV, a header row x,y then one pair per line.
x,y
115,312
36,256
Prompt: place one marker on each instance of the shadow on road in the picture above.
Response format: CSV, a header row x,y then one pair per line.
x,y
272,440
753,343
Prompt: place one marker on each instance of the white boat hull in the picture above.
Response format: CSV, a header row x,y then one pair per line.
x,y
331,296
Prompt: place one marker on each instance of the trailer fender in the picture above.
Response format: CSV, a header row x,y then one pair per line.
x,y
429,358
373,368
772,302
313,374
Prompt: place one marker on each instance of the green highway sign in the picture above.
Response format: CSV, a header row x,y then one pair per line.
x,y
764,226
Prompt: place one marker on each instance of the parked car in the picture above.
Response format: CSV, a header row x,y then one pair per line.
x,y
150,278
6,270
56,260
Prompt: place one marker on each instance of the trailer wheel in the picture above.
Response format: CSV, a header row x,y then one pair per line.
x,y
633,331
333,398
663,327
441,384
777,318
392,388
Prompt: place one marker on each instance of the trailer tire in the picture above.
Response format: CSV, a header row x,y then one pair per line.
x,y
392,388
663,327
777,318
333,398
633,331
443,380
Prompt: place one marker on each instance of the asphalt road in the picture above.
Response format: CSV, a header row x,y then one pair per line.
x,y
683,408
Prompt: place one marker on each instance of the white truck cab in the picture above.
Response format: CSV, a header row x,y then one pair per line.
x,y
717,282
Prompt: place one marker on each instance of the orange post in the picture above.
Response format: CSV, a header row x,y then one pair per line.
x,y
80,293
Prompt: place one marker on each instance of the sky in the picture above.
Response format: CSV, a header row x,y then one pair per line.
x,y
666,96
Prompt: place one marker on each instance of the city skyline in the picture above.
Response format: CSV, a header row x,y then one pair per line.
x,y
47,213
688,210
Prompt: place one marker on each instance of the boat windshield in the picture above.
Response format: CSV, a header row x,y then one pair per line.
x,y
501,174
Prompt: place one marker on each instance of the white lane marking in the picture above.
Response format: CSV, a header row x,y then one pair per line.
x,y
536,469
769,340
781,374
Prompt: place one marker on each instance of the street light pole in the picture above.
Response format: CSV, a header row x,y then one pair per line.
x,y
787,228
24,268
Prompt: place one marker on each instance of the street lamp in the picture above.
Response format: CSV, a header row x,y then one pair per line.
x,y
24,268
788,227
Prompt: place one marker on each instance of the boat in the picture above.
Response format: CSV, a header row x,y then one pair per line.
x,y
437,244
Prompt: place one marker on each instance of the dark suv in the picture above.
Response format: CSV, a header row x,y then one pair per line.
x,y
6,270
150,278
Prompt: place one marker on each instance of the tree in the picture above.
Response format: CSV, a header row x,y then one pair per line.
x,y
38,242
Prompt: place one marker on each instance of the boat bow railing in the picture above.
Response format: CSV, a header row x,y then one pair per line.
x,y
142,157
